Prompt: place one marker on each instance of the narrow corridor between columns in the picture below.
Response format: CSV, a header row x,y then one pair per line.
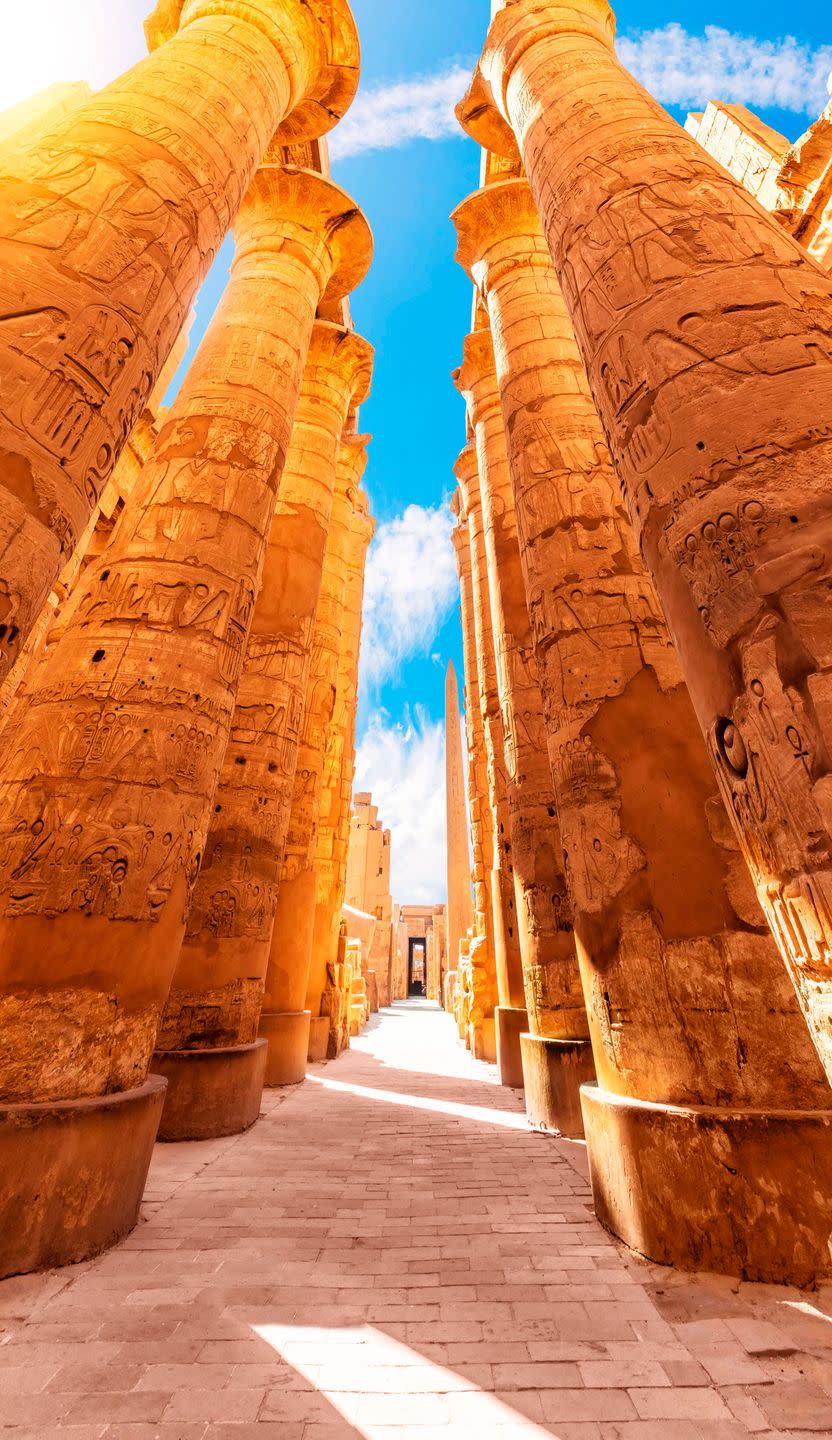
x,y
392,1254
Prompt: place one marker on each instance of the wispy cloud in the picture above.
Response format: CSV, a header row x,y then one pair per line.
x,y
675,66
411,587
683,69
403,764
390,115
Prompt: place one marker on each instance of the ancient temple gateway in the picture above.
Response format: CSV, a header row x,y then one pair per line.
x,y
194,906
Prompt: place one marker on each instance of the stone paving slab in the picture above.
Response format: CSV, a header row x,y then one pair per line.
x,y
391,1254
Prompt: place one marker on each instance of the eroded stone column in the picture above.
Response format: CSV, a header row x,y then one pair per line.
x,y
109,223
207,1046
705,332
698,1039
477,948
332,841
290,953
551,978
507,959
108,780
460,911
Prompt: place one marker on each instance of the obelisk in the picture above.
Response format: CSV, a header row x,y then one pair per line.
x,y
459,912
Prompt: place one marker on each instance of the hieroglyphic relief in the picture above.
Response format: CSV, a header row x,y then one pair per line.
x,y
705,334
124,730
110,221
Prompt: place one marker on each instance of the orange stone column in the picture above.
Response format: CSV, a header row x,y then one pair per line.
x,y
459,913
349,550
109,223
550,971
507,959
477,949
207,1046
285,1017
108,780
697,1035
704,329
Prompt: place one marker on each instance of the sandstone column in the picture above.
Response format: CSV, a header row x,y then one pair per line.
x,y
108,779
477,948
551,976
350,548
109,223
207,1046
285,1016
704,330
460,911
508,964
697,1036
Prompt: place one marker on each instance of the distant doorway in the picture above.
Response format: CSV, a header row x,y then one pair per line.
x,y
416,968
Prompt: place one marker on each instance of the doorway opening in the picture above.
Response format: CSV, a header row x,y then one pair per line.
x,y
416,967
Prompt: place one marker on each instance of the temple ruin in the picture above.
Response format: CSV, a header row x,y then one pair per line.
x,y
196,910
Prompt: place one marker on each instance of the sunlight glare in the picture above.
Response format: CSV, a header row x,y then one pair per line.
x,y
45,41
509,1120
375,1382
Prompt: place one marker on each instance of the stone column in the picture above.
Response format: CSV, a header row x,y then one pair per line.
x,y
109,223
544,914
285,1016
697,1035
108,780
207,1046
478,798
507,960
704,330
460,910
344,626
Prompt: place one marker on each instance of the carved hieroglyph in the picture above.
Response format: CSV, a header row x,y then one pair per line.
x,y
107,782
460,910
551,979
687,1003
507,961
109,223
705,332
218,984
478,946
341,625
290,953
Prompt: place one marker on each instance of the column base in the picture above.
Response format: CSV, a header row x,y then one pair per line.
x,y
287,1033
318,1038
510,1023
553,1073
741,1192
211,1092
72,1175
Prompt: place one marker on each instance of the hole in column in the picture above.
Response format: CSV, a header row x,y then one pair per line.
x,y
98,655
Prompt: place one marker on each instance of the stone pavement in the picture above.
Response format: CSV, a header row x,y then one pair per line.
x,y
390,1254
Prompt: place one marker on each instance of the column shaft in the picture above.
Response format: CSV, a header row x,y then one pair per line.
x,y
109,223
704,330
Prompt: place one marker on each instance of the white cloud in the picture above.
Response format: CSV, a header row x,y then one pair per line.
x,y
403,764
390,115
410,589
683,69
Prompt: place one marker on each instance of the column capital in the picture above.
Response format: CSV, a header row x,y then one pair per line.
x,y
346,353
519,25
500,212
466,470
287,207
476,378
317,41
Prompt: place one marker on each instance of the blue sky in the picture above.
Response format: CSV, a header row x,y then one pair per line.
x,y
400,156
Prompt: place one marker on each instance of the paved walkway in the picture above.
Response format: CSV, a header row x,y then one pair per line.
x,y
391,1255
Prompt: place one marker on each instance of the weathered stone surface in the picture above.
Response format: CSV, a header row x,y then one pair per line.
x,y
108,780
705,334
459,913
109,223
